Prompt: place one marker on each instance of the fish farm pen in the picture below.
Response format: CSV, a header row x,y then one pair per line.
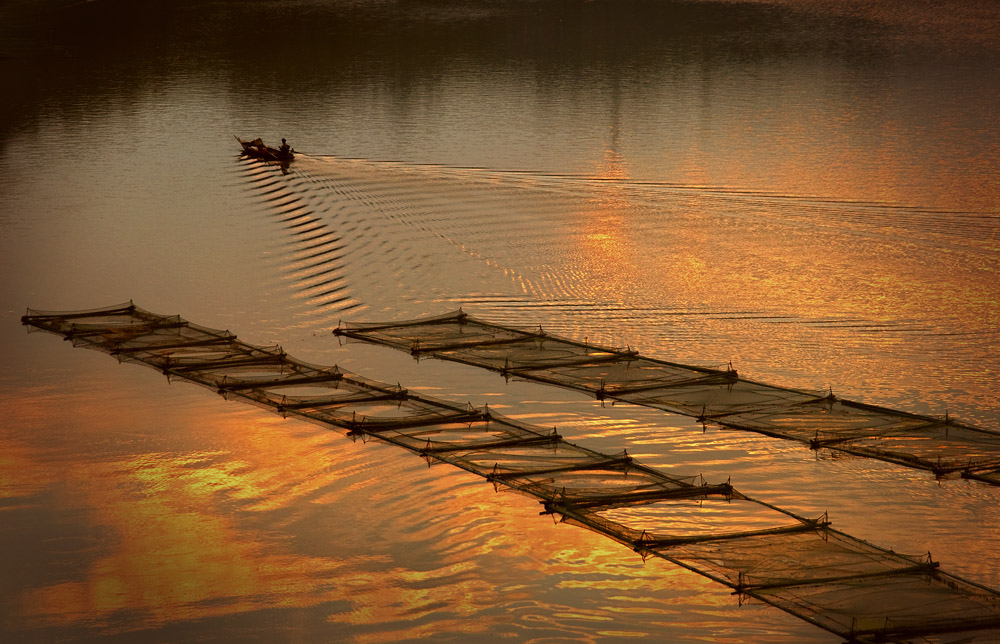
x,y
819,419
801,565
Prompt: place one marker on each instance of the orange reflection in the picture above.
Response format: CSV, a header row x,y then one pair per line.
x,y
227,516
185,540
820,292
174,556
604,246
21,471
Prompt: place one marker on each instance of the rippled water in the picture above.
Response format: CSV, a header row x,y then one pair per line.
x,y
808,190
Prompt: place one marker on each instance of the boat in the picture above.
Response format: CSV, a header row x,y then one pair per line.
x,y
258,150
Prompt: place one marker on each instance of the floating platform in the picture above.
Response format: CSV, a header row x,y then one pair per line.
x,y
818,419
801,565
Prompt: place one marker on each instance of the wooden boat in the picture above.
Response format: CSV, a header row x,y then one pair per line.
x,y
258,150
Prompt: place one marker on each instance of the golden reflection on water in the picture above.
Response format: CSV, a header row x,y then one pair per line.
x,y
22,473
174,556
830,293
604,247
171,564
205,530
182,512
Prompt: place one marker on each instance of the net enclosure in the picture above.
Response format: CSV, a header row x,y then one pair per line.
x,y
818,419
857,590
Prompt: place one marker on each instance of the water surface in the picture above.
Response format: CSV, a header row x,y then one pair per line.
x,y
808,190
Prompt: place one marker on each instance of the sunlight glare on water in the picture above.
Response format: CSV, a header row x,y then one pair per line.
x,y
807,190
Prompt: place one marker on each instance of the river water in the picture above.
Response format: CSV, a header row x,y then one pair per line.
x,y
808,190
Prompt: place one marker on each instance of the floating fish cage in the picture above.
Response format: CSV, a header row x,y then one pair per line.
x,y
819,419
798,564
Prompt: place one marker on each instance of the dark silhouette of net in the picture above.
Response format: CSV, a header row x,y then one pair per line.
x,y
800,565
819,419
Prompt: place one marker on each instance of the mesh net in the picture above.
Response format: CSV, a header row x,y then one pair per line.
x,y
819,419
800,565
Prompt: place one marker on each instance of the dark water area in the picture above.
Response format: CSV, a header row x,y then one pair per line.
x,y
900,92
806,189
